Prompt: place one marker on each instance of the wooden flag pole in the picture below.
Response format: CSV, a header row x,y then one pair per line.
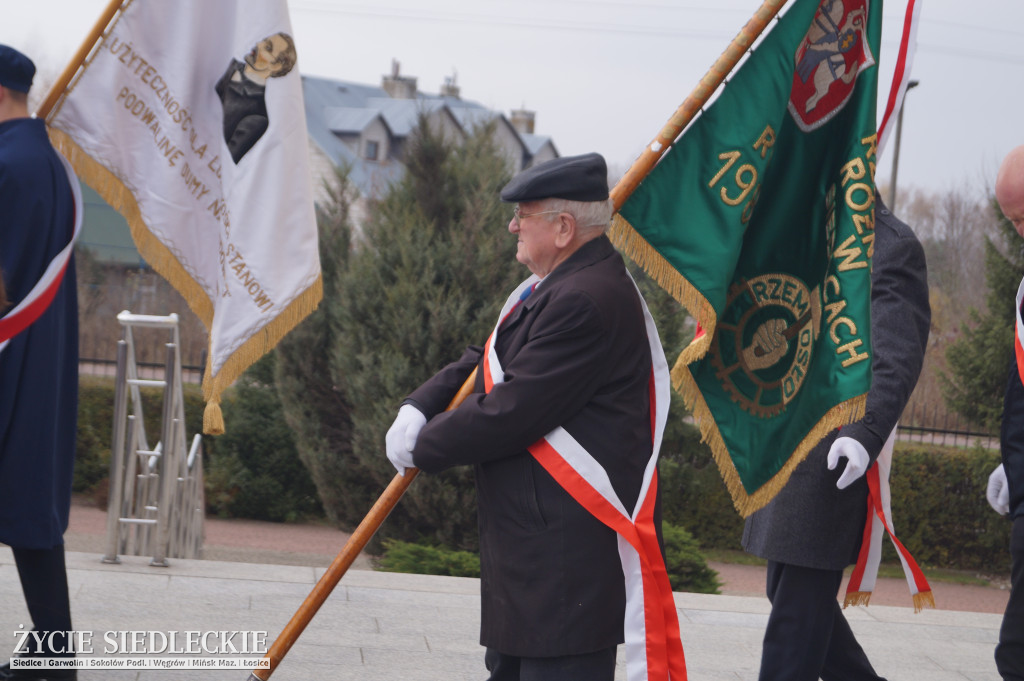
x,y
700,95
343,561
78,59
629,182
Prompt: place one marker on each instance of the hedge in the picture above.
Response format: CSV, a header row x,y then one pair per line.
x,y
252,471
938,493
938,504
686,567
96,425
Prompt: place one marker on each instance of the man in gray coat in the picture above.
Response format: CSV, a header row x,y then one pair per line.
x,y
812,530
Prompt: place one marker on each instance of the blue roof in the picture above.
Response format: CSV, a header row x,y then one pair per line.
x,y
336,107
323,99
534,143
344,119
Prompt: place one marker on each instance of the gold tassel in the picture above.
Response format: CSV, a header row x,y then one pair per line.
x,y
857,598
255,347
213,419
922,600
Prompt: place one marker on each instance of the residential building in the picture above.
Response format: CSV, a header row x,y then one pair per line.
x,y
367,128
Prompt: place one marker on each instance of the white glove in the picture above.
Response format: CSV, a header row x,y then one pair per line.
x,y
857,460
998,491
401,437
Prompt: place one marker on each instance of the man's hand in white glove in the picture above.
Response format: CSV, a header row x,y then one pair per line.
x,y
998,491
401,437
857,460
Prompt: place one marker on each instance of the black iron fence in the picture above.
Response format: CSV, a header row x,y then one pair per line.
x,y
151,370
933,424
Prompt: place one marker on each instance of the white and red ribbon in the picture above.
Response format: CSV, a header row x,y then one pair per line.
x,y
865,572
901,74
653,647
33,305
879,522
1018,334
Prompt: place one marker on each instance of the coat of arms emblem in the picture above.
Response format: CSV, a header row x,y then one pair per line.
x,y
828,60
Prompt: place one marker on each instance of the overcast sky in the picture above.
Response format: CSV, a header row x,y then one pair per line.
x,y
605,75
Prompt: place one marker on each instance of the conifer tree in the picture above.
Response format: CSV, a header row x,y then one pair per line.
x,y
313,406
254,470
425,278
980,359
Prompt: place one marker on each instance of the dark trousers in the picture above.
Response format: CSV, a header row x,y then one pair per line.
x,y
599,666
807,637
44,582
1010,651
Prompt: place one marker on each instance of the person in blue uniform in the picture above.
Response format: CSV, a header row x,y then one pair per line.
x,y
38,367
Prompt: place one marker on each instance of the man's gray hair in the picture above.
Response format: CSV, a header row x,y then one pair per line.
x,y
593,214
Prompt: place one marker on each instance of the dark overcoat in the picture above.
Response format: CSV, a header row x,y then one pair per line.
x,y
39,367
575,354
810,522
1011,439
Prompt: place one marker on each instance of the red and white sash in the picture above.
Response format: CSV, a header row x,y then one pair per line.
x,y
865,572
33,305
653,647
1018,334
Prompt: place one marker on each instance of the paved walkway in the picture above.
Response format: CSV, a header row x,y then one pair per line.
x,y
419,628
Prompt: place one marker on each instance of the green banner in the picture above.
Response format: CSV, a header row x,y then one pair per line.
x,y
760,220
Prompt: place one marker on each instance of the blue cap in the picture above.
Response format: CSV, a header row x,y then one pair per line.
x,y
16,70
574,178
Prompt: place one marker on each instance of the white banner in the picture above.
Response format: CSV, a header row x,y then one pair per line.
x,y
188,118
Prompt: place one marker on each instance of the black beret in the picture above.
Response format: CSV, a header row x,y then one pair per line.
x,y
574,178
16,70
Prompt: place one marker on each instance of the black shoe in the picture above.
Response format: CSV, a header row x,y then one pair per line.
x,y
8,674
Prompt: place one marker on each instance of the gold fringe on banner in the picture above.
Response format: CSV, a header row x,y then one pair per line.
x,y
842,414
251,350
167,265
636,248
120,198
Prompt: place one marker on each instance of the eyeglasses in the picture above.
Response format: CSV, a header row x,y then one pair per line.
x,y
518,215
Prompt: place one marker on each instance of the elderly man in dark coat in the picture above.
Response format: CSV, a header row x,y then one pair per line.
x,y
812,530
574,356
1006,483
39,366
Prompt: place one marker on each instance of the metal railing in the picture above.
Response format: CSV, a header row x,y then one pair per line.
x,y
95,366
156,493
929,425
